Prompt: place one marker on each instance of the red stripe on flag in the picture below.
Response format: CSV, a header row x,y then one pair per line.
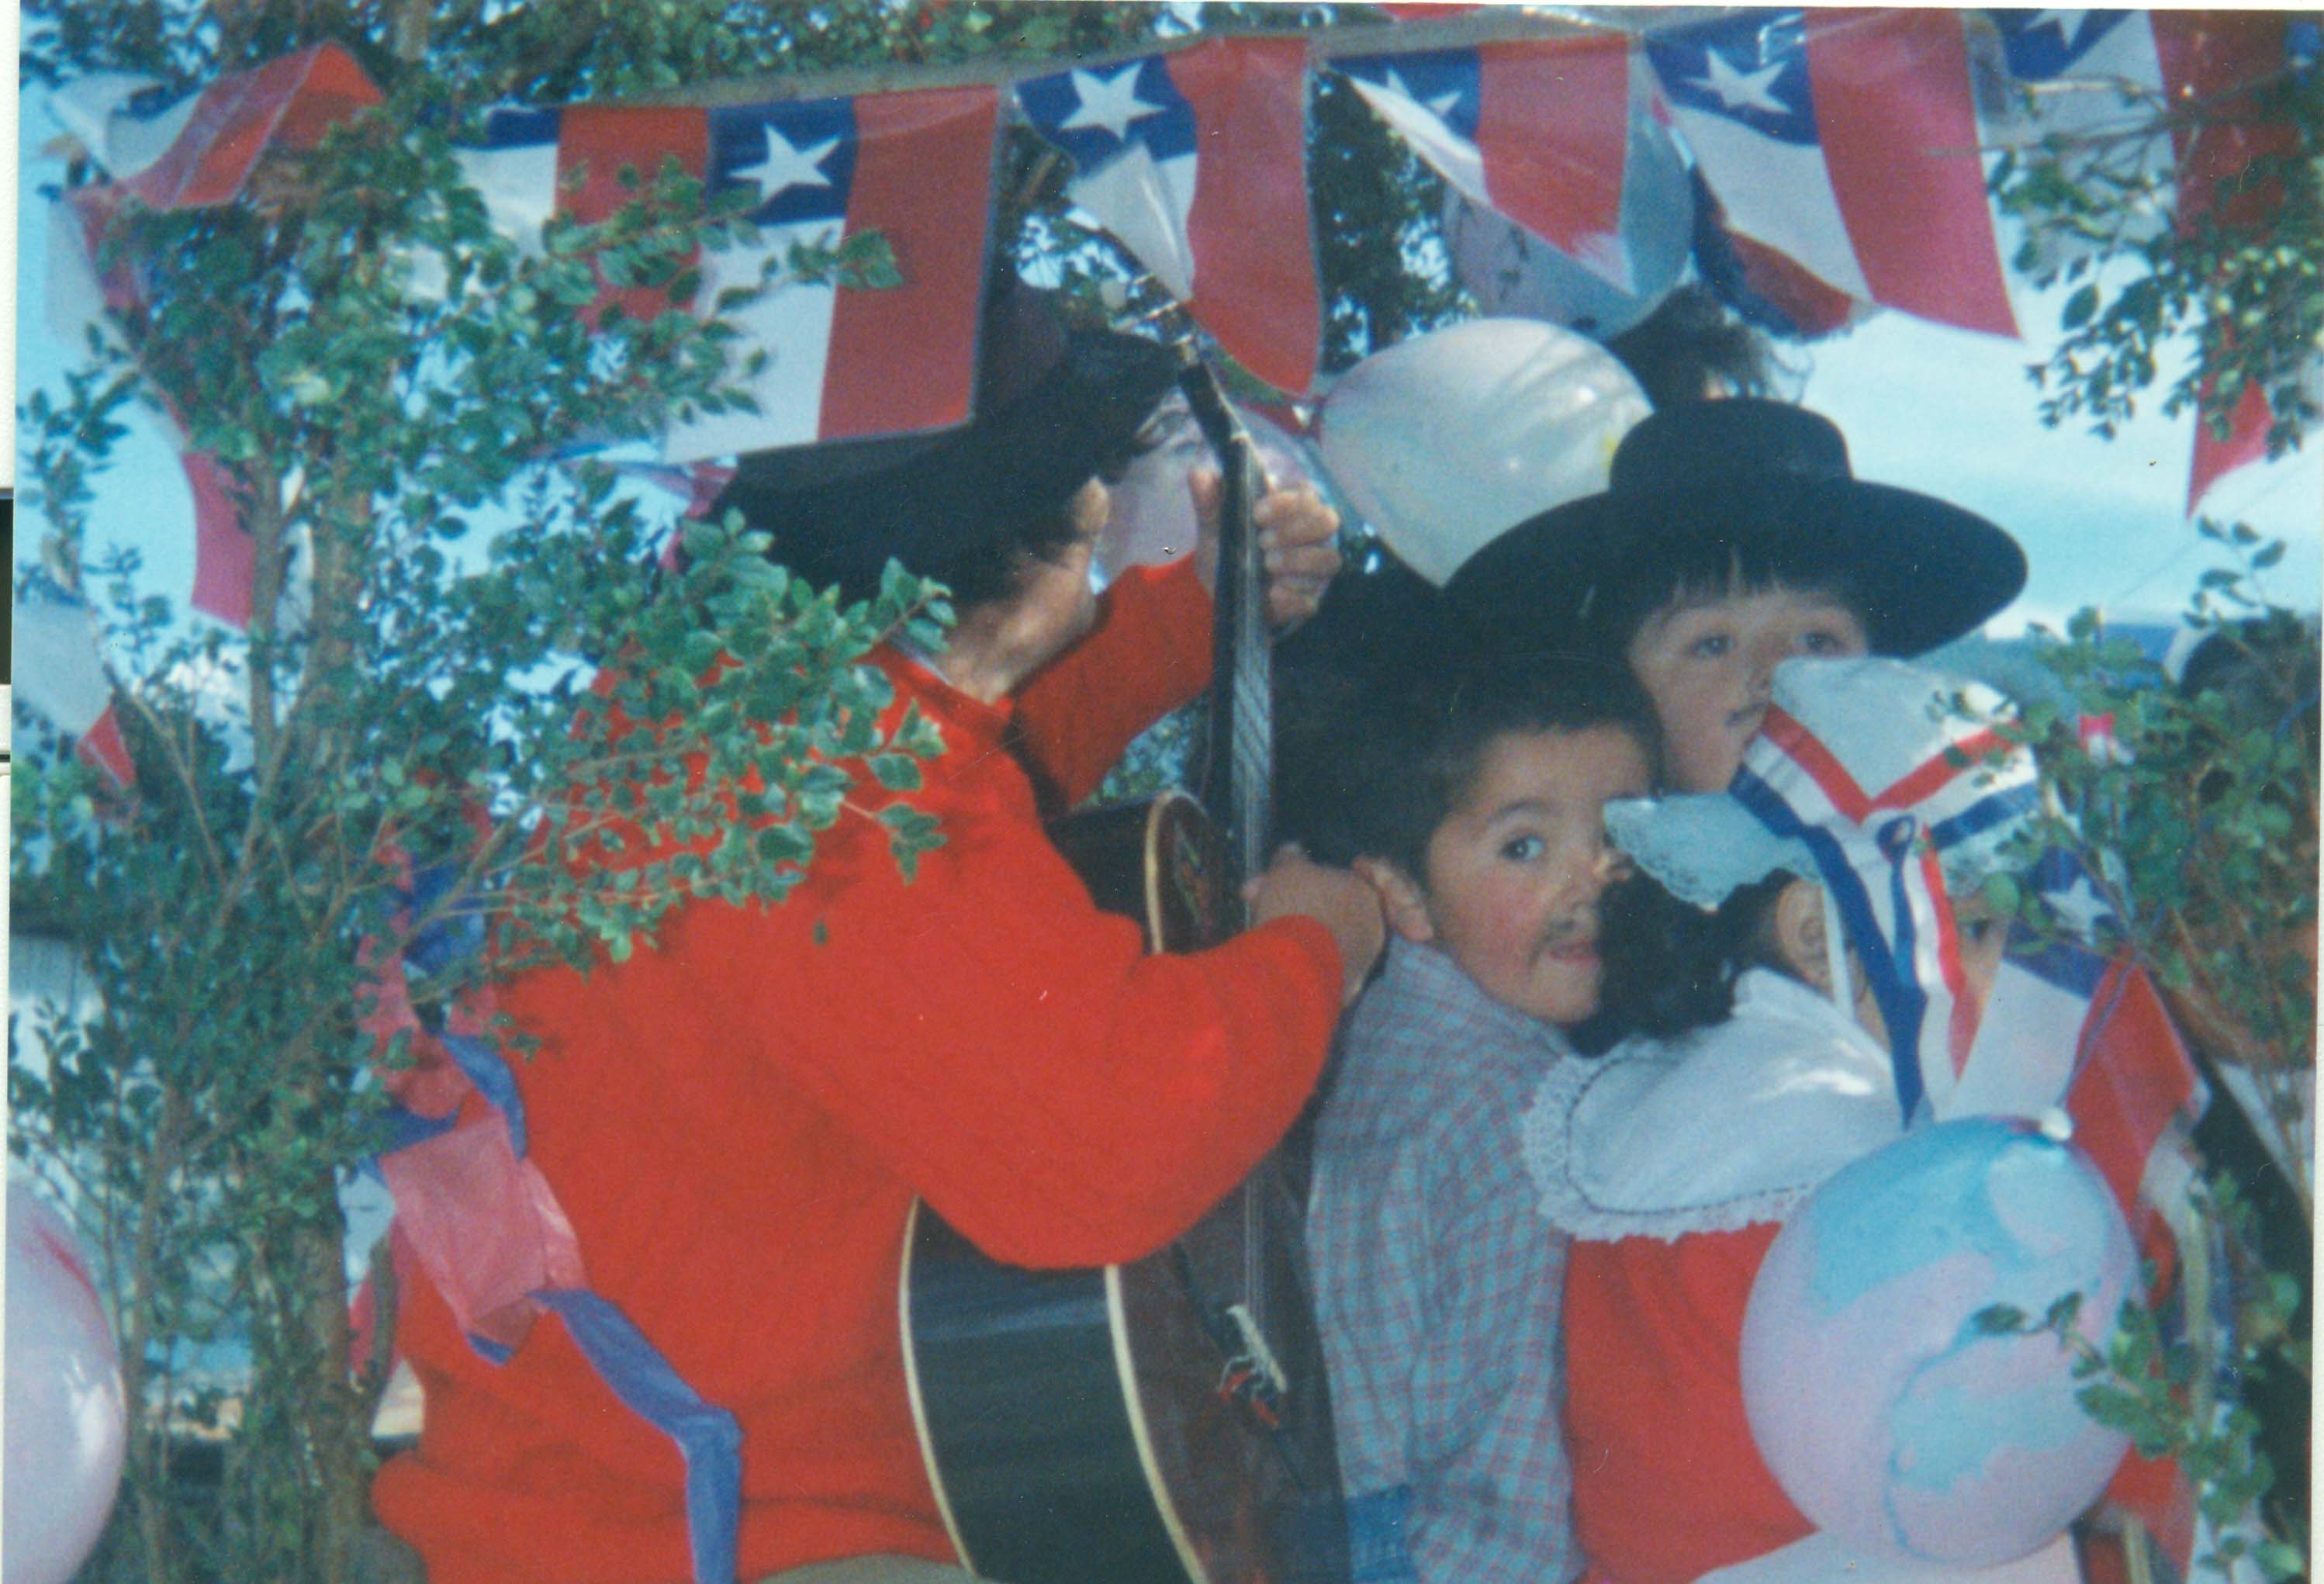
x,y
1961,1029
1553,127
600,140
1828,773
2245,442
102,745
906,358
2131,1077
1249,228
287,103
1814,307
334,89
2205,56
225,555
1900,141
1963,756
2155,1491
92,211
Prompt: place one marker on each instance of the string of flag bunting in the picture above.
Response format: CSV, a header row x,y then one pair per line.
x,y
1844,156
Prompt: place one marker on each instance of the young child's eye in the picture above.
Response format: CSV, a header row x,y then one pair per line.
x,y
1524,849
1710,646
1821,644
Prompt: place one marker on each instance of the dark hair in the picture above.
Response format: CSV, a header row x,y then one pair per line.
x,y
1670,966
1382,759
1690,340
994,567
973,506
1770,549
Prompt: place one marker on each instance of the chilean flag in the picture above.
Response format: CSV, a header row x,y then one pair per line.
x,y
1848,141
198,154
1197,163
59,672
2088,59
289,103
79,299
842,362
1536,130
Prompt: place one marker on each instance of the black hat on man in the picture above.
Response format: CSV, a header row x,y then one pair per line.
x,y
1744,470
1053,406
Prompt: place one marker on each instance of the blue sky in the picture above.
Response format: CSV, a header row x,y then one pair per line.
x,y
1951,412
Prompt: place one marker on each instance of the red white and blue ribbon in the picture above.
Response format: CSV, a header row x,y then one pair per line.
x,y
1880,850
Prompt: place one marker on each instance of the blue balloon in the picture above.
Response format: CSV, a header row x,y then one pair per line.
x,y
1894,1411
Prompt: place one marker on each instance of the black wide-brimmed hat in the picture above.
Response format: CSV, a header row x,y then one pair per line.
x,y
1742,471
1053,405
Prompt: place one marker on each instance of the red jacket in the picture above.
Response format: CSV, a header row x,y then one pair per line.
x,y
737,1123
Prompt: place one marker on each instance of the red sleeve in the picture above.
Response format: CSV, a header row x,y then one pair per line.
x,y
1012,1054
1150,653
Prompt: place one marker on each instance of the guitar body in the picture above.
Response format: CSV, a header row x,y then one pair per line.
x,y
1074,1422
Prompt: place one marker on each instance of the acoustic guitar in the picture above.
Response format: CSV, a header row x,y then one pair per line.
x,y
1161,1421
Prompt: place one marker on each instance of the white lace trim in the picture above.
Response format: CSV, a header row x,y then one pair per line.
x,y
1548,1138
1729,1128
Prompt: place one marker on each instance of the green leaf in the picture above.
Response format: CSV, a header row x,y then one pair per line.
x,y
784,843
898,772
1998,1319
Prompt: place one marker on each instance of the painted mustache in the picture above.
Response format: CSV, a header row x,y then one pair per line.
x,y
1573,938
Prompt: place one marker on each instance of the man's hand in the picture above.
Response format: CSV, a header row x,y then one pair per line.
x,y
1337,898
1296,544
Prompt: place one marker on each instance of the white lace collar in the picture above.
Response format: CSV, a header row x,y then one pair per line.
x,y
1728,1127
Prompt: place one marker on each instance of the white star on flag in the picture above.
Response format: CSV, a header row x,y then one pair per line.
x,y
1742,90
785,167
1442,103
1109,104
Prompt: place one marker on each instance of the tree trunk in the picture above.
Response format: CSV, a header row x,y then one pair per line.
x,y
329,1405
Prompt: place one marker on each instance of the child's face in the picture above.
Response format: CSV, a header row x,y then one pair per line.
x,y
1516,870
1706,663
1983,937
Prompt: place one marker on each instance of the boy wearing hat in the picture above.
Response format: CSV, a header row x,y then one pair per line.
x,y
737,1123
1731,536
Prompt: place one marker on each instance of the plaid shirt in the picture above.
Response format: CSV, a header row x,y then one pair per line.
x,y
1437,1286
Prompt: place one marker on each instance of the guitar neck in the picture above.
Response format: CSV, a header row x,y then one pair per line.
x,y
1240,762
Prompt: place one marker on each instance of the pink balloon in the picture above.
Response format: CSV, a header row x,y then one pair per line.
x,y
1152,517
65,1419
1894,1419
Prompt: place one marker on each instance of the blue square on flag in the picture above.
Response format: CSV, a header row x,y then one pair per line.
x,y
1751,69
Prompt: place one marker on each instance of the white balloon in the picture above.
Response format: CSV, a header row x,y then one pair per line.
x,y
1444,441
1510,271
1151,520
65,1412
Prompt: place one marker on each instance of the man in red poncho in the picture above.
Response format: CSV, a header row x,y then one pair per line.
x,y
737,1123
